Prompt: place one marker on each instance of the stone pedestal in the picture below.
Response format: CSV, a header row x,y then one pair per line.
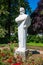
x,y
23,53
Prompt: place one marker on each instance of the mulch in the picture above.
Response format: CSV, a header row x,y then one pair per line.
x,y
34,56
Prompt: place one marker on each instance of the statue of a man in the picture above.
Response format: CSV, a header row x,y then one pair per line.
x,y
24,22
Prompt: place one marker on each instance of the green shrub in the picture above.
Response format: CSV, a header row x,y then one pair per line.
x,y
2,32
4,40
14,38
34,38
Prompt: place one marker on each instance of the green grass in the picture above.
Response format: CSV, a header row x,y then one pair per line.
x,y
34,44
28,44
3,45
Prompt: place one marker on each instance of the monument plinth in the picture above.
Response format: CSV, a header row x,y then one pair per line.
x,y
24,22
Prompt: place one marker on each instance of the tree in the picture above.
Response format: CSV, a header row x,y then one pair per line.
x,y
37,20
9,10
3,13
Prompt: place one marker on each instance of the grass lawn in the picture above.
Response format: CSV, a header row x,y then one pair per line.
x,y
28,44
34,44
2,44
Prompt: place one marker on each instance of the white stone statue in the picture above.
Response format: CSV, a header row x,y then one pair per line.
x,y
24,22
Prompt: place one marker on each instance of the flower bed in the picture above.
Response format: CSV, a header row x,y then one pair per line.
x,y
7,58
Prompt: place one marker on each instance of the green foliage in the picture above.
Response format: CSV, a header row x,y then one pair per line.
x,y
2,32
4,40
9,10
35,38
3,17
11,47
14,37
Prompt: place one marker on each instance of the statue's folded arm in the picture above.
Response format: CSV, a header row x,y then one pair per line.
x,y
20,18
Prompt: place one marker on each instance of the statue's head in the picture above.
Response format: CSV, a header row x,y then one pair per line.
x,y
22,10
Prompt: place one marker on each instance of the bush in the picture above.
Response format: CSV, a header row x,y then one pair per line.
x,y
34,38
14,38
4,40
2,32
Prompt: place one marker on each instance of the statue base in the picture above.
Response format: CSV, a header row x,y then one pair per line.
x,y
22,52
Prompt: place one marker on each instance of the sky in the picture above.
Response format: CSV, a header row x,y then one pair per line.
x,y
33,4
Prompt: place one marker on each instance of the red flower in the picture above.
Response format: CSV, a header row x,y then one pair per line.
x,y
16,63
9,60
33,62
2,54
